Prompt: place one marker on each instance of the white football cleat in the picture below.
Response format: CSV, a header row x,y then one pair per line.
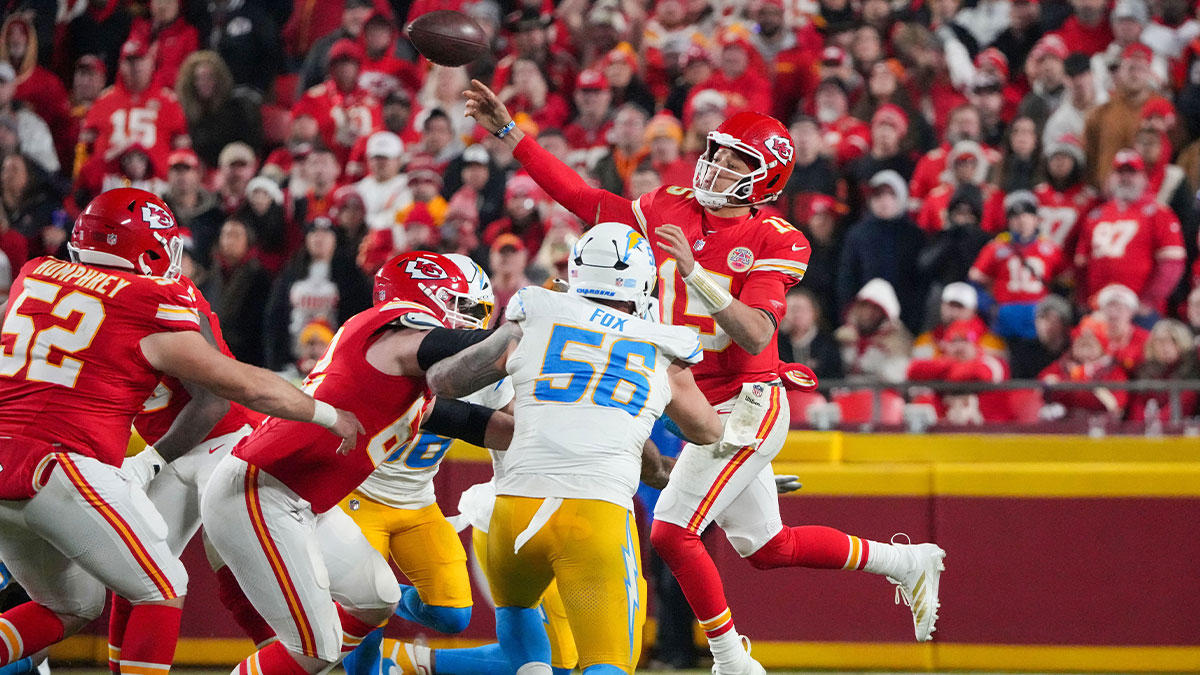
x,y
408,659
917,587
747,667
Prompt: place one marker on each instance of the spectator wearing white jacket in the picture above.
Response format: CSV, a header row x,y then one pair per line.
x,y
384,190
26,131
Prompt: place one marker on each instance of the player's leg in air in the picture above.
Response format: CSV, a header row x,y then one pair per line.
x,y
489,659
738,491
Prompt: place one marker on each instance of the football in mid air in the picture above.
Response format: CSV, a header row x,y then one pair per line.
x,y
447,38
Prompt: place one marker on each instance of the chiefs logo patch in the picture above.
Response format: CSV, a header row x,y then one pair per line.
x,y
781,147
157,217
424,268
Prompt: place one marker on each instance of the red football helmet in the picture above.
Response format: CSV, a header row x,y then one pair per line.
x,y
760,139
428,279
131,229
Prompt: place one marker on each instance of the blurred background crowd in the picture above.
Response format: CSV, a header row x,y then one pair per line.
x,y
992,189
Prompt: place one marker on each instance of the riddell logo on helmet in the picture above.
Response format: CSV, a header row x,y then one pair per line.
x,y
424,268
780,147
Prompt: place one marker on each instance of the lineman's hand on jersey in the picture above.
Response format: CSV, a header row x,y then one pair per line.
x,y
143,467
675,243
797,377
486,107
348,427
786,484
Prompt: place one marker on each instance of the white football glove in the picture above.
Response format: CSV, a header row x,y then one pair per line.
x,y
786,484
144,466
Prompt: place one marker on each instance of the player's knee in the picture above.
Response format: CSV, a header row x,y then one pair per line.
x,y
672,541
450,619
776,552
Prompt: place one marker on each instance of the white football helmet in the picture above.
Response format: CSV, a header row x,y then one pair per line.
x,y
473,309
611,261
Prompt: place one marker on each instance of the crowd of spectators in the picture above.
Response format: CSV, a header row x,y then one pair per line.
x,y
1011,181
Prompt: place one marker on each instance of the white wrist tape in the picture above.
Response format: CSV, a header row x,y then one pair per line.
x,y
714,296
152,456
324,414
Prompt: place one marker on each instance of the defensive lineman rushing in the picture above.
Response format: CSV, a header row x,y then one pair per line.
x,y
723,270
590,377
84,345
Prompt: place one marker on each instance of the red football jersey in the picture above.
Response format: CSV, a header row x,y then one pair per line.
x,y
757,258
1120,245
849,138
341,118
151,119
933,214
160,410
72,374
1062,210
1019,273
304,456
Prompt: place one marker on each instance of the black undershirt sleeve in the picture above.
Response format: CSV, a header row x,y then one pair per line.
x,y
442,342
459,419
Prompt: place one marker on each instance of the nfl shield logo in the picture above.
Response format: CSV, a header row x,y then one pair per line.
x,y
698,245
112,240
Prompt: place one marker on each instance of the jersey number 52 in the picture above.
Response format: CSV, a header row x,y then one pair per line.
x,y
60,339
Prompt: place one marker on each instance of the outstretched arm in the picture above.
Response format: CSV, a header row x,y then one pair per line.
x,y
475,367
591,205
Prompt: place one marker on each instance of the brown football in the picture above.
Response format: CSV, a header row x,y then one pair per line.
x,y
447,37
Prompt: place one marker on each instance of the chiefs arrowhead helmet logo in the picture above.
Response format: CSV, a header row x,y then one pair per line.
x,y
157,217
424,268
781,147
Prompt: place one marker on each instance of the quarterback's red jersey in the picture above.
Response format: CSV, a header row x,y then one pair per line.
x,y
1121,245
152,119
72,374
169,397
1020,272
759,257
1062,210
304,456
341,118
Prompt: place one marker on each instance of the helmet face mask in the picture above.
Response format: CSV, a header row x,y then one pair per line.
x,y
472,309
768,149
611,261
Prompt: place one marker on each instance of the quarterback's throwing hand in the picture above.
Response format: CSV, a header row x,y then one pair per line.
x,y
486,107
348,427
675,243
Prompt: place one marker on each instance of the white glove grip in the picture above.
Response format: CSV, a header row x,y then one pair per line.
x,y
714,296
324,414
144,466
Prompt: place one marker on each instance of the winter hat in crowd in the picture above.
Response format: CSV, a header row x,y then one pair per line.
x,y
1067,144
1117,293
963,329
961,293
993,58
971,196
880,293
266,185
1096,327
1130,9
1021,201
890,113
963,149
892,180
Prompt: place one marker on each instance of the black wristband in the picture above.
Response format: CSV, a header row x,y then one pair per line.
x,y
459,419
442,342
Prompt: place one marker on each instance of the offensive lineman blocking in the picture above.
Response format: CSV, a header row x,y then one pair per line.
x,y
724,270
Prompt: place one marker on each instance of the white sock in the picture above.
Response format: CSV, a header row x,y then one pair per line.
x,y
727,648
535,669
884,559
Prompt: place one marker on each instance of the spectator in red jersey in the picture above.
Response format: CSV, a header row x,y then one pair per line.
x,y
29,132
873,342
283,164
664,138
1170,355
382,71
846,138
1165,182
1022,153
134,112
132,167
1131,240
1088,360
170,38
521,214
528,93
1112,126
590,127
345,112
236,165
1047,79
1088,29
321,173
397,118
530,30
959,302
216,114
1116,306
992,65
963,360
349,216
425,182
1065,198
695,66
194,207
244,287
744,87
885,86
626,152
966,164
317,59
1068,118
1018,267
507,259
36,86
888,129
1128,18
620,66
964,124
384,190
771,33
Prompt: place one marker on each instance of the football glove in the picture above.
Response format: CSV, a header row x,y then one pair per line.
x,y
144,466
797,377
786,484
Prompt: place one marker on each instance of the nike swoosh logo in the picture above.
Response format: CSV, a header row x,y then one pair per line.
x,y
798,248
216,448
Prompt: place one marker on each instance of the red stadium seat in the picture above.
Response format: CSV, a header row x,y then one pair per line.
x,y
857,406
799,402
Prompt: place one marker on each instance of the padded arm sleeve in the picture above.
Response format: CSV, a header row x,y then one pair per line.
x,y
459,419
442,342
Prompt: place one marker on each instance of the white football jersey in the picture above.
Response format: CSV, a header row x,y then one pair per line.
x,y
590,381
405,479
